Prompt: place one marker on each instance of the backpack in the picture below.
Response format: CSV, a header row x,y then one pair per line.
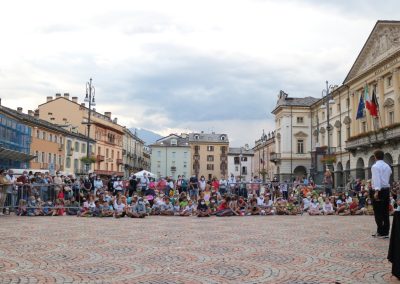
x,y
184,183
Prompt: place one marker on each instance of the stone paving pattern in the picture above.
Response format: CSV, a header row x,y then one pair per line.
x,y
272,249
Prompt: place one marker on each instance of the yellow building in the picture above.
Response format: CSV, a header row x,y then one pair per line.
x,y
107,133
209,154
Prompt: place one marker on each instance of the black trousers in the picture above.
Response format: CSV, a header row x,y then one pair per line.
x,y
381,212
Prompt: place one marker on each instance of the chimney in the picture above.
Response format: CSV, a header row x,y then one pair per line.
x,y
36,113
107,114
58,95
49,99
83,104
30,112
75,99
66,96
19,109
115,120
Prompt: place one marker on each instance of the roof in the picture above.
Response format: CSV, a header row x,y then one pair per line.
x,y
236,151
166,141
133,135
208,137
377,46
285,100
43,123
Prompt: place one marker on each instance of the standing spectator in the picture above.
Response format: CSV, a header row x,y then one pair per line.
x,y
179,184
328,182
202,184
194,187
223,183
215,184
98,185
3,189
23,190
184,184
231,184
144,182
381,173
284,190
11,190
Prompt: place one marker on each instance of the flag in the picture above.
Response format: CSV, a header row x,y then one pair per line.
x,y
373,110
361,107
366,97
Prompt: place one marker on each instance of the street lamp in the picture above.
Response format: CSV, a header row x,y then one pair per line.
x,y
89,98
240,165
327,100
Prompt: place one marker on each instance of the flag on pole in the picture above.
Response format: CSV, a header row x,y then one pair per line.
x,y
361,107
367,101
373,110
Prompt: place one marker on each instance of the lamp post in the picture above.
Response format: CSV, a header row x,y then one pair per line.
x,y
240,165
89,98
327,100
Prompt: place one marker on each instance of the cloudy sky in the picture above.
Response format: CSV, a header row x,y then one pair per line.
x,y
182,65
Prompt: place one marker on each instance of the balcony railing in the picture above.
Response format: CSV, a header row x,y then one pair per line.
x,y
372,139
173,169
100,158
119,161
275,157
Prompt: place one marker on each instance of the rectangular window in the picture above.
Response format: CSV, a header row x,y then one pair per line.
x,y
158,154
223,149
37,156
236,168
236,160
244,159
44,135
107,153
43,157
244,171
173,155
391,117
300,119
363,127
185,155
76,146
49,160
59,160
37,134
54,159
68,162
112,156
389,81
210,148
210,158
196,148
300,146
83,148
50,137
210,167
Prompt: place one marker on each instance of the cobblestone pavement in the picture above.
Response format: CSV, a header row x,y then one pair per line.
x,y
272,249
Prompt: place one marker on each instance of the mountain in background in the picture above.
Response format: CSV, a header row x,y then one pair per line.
x,y
149,137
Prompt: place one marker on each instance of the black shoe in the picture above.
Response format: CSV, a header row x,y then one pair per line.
x,y
382,236
375,235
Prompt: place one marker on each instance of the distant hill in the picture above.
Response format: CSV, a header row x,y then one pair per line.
x,y
149,137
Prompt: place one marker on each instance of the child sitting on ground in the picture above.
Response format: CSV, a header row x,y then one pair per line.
x,y
189,209
327,208
202,209
314,208
22,209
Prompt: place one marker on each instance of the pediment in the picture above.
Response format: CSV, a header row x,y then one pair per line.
x,y
389,102
300,134
383,41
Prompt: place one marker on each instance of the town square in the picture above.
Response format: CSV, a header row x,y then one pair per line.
x,y
184,141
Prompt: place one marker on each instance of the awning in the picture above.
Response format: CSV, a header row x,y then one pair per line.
x,y
8,154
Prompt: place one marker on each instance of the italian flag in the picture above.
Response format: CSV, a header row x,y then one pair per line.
x,y
371,105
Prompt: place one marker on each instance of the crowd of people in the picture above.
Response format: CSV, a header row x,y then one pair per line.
x,y
40,194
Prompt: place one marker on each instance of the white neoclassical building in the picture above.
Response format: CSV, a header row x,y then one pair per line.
x,y
315,133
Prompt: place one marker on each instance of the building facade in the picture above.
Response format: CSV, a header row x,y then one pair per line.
x,y
107,133
15,140
265,156
241,163
209,154
330,133
171,156
133,153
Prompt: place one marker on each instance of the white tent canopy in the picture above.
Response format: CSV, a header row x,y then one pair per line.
x,y
141,173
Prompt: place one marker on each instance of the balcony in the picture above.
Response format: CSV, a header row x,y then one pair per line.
x,y
173,169
275,157
373,139
100,158
60,147
119,161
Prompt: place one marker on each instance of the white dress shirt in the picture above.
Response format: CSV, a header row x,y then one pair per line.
x,y
381,173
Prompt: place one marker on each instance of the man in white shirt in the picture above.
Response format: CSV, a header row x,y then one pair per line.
x,y
232,184
144,182
222,185
381,173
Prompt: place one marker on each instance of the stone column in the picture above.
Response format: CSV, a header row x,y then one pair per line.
x,y
396,85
